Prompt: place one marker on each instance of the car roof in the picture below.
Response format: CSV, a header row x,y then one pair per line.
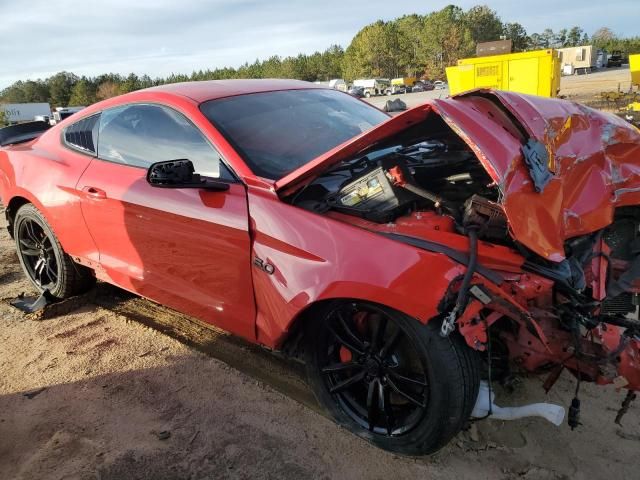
x,y
213,89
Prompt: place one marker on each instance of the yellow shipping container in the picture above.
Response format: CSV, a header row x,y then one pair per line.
x,y
535,73
634,66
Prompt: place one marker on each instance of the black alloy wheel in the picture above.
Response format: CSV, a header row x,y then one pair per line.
x,y
390,379
37,254
374,372
43,260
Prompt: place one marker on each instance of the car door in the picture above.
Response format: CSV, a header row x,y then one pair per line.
x,y
188,249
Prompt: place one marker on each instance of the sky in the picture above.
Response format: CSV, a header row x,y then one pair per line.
x,y
160,37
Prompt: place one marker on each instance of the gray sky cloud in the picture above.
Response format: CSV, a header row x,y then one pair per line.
x,y
159,37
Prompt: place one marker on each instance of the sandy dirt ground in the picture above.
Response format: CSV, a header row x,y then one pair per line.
x,y
582,87
121,388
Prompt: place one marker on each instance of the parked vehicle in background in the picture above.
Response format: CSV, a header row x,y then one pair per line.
x,y
402,84
374,86
615,59
61,113
356,91
24,112
439,85
336,84
423,86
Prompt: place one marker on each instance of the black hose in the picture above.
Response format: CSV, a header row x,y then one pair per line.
x,y
461,301
448,324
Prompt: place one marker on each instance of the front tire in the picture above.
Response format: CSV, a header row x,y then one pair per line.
x,y
43,260
390,379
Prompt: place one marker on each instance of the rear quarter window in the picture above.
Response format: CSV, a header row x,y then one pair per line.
x,y
83,135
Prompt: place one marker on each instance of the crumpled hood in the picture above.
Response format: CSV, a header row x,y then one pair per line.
x,y
593,158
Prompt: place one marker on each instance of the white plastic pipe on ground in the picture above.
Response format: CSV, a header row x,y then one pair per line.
x,y
553,413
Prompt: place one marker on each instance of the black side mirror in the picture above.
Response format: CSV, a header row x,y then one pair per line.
x,y
180,174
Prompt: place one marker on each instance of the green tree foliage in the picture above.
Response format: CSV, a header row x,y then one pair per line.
x,y
83,93
60,86
411,30
574,37
517,34
485,24
449,39
26,92
605,39
378,50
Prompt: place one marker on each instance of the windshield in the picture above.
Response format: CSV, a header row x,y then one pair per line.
x,y
278,132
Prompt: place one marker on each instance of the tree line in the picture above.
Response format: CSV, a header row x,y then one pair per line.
x,y
411,45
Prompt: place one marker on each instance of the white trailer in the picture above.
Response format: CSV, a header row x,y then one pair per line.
x,y
578,60
25,112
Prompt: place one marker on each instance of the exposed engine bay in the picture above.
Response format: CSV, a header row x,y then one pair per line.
x,y
438,173
426,187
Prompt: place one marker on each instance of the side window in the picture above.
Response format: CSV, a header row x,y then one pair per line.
x,y
139,135
83,134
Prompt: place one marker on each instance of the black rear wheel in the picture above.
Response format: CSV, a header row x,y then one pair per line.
x,y
389,378
44,262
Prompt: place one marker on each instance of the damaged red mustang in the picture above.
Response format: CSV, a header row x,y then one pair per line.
x,y
412,262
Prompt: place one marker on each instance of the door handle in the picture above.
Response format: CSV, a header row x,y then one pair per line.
x,y
94,192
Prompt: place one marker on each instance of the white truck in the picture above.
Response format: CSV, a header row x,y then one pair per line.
x,y
374,86
25,112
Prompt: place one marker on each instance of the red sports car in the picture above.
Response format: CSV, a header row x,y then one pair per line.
x,y
405,258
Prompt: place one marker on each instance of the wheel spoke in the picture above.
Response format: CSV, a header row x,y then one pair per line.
x,y
390,343
348,382
404,378
404,394
344,342
379,327
53,276
371,404
31,233
388,410
28,244
30,252
37,269
339,367
350,333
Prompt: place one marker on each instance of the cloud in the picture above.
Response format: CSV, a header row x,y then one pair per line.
x,y
159,37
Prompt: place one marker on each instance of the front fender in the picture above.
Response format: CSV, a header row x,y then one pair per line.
x,y
313,258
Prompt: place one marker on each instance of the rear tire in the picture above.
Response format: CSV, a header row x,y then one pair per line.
x,y
438,377
42,258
